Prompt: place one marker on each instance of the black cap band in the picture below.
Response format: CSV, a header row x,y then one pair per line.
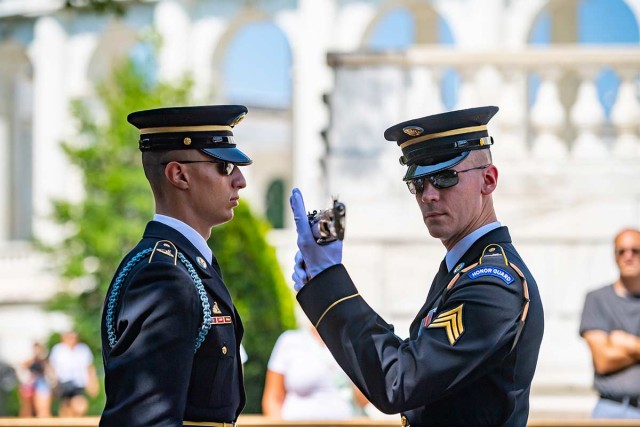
x,y
159,142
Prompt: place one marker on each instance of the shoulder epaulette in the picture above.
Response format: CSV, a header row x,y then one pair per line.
x,y
491,263
165,248
493,254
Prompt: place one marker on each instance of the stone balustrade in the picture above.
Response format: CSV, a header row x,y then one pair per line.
x,y
565,119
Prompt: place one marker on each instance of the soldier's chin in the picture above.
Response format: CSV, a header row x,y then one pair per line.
x,y
437,231
226,219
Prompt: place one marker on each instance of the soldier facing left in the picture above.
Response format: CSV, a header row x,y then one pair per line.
x,y
170,331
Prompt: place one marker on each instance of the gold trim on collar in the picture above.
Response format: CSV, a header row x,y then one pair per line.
x,y
443,134
171,129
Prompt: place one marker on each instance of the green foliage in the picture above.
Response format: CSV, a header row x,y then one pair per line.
x,y
118,202
255,281
100,6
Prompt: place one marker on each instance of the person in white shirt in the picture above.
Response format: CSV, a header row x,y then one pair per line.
x,y
72,363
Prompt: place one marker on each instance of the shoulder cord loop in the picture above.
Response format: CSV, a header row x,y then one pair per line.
x,y
115,293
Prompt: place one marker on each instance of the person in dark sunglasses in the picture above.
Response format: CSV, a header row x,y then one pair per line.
x,y
170,331
474,344
610,325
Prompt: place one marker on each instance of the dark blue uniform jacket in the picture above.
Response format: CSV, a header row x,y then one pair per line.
x,y
152,375
459,367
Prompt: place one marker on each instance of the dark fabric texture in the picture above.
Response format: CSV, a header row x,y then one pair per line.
x,y
152,375
478,380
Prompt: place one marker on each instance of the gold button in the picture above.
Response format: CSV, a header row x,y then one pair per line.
x,y
187,141
224,349
404,423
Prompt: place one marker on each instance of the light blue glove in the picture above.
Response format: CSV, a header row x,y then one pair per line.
x,y
299,276
316,258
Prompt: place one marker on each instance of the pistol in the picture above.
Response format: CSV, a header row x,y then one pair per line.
x,y
328,225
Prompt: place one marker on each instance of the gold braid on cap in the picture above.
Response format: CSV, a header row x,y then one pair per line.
x,y
443,134
173,129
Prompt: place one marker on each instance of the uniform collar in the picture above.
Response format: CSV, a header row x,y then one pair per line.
x,y
460,248
188,232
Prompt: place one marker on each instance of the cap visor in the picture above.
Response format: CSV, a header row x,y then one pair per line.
x,y
418,171
232,155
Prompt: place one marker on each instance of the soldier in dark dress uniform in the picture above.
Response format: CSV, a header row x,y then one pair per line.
x,y
474,344
170,332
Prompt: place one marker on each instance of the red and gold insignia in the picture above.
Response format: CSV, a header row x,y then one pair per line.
x,y
451,321
220,320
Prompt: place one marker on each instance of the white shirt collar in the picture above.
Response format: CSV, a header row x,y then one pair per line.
x,y
454,255
187,231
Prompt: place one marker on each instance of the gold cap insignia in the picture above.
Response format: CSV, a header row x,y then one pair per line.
x,y
413,130
451,321
216,309
187,141
201,262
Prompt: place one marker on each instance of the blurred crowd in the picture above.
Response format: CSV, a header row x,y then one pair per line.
x,y
59,381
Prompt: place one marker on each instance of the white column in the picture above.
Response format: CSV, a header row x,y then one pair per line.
x,y
173,24
625,116
423,92
511,118
50,121
311,78
548,118
5,170
467,98
587,117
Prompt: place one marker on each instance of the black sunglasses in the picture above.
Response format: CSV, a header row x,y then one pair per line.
x,y
226,169
621,251
445,179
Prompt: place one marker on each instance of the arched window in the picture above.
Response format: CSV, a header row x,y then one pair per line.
x,y
401,28
257,67
593,22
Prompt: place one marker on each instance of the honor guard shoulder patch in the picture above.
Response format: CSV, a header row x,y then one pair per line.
x,y
165,248
490,270
452,323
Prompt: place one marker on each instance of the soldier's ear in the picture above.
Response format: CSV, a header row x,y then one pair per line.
x,y
177,175
489,180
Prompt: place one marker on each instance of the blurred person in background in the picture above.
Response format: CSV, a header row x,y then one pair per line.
x,y
304,382
34,391
611,327
8,381
72,364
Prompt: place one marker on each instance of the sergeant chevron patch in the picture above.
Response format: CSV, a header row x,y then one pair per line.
x,y
451,321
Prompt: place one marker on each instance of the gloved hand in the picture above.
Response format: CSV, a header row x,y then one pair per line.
x,y
316,258
299,275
